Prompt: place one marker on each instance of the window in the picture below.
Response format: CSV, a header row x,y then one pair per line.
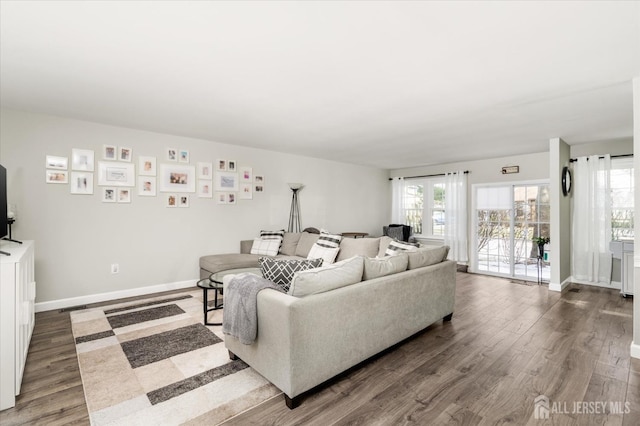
x,y
622,186
424,198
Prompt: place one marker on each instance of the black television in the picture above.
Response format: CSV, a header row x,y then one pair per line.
x,y
4,219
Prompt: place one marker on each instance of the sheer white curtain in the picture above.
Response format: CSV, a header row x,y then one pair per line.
x,y
397,201
591,233
455,215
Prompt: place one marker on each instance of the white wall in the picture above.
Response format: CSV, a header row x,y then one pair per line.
x,y
78,237
560,216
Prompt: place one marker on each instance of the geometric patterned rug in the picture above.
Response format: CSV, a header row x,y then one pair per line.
x,y
153,362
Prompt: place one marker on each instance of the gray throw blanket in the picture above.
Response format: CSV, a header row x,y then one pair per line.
x,y
240,316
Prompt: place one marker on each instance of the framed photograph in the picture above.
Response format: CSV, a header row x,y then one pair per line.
x,y
108,195
246,191
125,154
205,188
226,181
57,176
205,171
231,198
221,165
172,200
58,163
258,179
221,197
147,186
146,166
232,166
183,200
172,154
116,174
109,152
82,159
259,188
124,195
175,178
82,183
183,156
246,174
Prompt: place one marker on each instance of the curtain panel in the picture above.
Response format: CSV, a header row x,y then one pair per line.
x,y
455,216
591,232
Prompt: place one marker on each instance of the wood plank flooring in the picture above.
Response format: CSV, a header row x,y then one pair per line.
x,y
507,344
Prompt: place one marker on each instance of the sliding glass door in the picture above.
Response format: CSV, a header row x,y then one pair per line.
x,y
507,218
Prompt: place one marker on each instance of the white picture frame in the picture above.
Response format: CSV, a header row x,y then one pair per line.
x,y
108,195
172,154
147,186
82,183
258,179
221,198
147,166
246,191
109,152
57,176
124,195
183,156
125,154
183,200
221,165
246,174
205,170
226,181
205,188
116,174
232,198
172,200
259,188
177,178
232,166
82,160
57,163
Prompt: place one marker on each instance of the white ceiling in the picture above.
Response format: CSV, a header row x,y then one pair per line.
x,y
386,84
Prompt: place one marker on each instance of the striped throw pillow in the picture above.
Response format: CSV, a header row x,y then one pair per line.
x,y
269,235
396,247
326,248
268,247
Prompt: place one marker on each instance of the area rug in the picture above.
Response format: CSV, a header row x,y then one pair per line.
x,y
153,362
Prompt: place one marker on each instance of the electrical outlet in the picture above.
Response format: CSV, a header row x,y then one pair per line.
x,y
115,268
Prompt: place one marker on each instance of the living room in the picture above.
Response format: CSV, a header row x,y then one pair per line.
x,y
81,77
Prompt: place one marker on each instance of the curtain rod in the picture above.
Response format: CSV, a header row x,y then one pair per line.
x,y
573,160
466,172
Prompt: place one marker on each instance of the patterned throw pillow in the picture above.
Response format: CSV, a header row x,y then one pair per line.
x,y
281,271
396,247
326,248
268,247
270,235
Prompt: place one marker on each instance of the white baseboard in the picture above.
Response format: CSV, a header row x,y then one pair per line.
x,y
635,350
560,287
615,285
103,297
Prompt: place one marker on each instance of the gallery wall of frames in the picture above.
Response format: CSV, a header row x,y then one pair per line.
x,y
113,175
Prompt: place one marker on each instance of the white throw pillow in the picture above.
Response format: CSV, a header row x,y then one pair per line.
x,y
328,255
267,247
334,276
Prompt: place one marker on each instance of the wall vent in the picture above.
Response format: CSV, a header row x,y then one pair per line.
x,y
73,308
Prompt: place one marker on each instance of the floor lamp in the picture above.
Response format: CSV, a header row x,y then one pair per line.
x,y
294,214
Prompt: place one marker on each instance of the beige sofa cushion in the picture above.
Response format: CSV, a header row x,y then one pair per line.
x,y
382,266
350,247
427,256
384,245
289,243
319,280
305,243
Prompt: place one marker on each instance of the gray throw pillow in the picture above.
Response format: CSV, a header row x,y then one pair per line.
x,y
280,271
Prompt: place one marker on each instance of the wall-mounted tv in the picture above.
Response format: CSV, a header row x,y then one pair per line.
x,y
4,219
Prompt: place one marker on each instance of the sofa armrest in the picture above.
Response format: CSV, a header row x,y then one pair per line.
x,y
245,246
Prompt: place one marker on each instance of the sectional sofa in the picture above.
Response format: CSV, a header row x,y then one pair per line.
x,y
304,341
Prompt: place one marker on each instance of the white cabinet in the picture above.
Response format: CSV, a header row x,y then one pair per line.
x,y
17,316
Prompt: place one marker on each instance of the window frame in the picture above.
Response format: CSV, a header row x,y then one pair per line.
x,y
429,207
